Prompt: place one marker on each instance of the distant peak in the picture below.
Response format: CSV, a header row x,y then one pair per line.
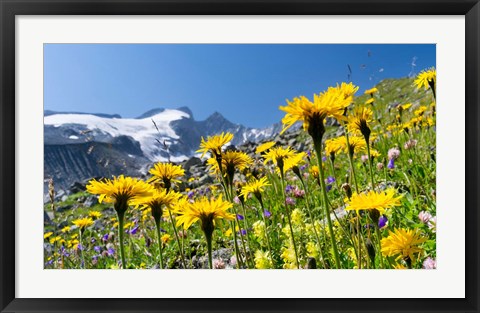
x,y
151,112
186,110
104,115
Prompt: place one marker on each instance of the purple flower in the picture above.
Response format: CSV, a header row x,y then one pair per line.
x,y
110,251
97,249
80,247
243,232
324,159
382,221
391,164
290,201
134,230
236,200
93,240
190,194
329,187
267,214
49,262
309,153
303,167
298,193
289,189
105,237
330,180
240,217
393,153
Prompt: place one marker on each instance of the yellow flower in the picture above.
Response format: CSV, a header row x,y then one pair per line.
x,y
263,260
295,160
332,147
83,222
166,173
331,103
373,200
374,153
265,146
289,257
402,242
359,121
255,186
205,210
426,79
231,160
157,201
312,249
95,214
371,91
278,156
297,217
46,235
55,239
120,191
66,229
405,106
214,144
420,110
166,238
370,101
259,229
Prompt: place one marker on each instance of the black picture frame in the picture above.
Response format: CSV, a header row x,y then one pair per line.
x,y
9,9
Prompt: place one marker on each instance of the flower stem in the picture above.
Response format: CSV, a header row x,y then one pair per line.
x,y
370,162
379,238
288,217
318,151
159,235
266,232
121,217
208,237
180,248
82,262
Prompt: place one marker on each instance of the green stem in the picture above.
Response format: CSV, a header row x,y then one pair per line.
x,y
121,221
288,217
209,248
159,235
370,162
379,237
318,151
82,262
266,232
180,248
247,227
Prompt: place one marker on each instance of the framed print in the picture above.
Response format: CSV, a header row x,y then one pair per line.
x,y
243,156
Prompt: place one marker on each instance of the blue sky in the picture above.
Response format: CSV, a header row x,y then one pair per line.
x,y
245,83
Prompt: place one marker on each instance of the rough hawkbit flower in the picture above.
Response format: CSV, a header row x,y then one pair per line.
x,y
410,144
393,153
424,217
429,264
379,166
290,201
391,164
382,221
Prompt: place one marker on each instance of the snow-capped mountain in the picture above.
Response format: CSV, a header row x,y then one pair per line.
x,y
82,145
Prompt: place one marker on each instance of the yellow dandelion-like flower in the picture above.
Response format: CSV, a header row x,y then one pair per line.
x,y
371,91
333,146
359,121
95,214
370,101
120,191
46,235
405,107
65,229
315,171
420,110
157,201
166,238
231,160
166,173
278,155
426,79
265,146
255,186
331,103
295,160
214,144
402,243
371,200
263,260
374,153
83,222
205,210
